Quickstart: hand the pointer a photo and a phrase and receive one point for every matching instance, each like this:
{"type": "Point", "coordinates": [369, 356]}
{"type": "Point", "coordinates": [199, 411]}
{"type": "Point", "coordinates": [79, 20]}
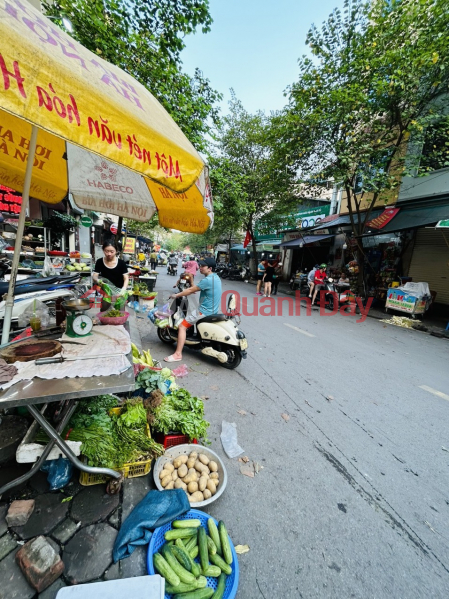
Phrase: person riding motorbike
{"type": "Point", "coordinates": [210, 296]}
{"type": "Point", "coordinates": [187, 277]}
{"type": "Point", "coordinates": [311, 279]}
{"type": "Point", "coordinates": [320, 276]}
{"type": "Point", "coordinates": [172, 263]}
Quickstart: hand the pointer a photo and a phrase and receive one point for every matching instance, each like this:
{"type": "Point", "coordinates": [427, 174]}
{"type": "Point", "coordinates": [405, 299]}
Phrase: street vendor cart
{"type": "Point", "coordinates": [411, 298]}
{"type": "Point", "coordinates": [37, 393]}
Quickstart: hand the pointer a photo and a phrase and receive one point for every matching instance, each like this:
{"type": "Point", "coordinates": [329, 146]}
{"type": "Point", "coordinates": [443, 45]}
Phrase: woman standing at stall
{"type": "Point", "coordinates": [111, 267]}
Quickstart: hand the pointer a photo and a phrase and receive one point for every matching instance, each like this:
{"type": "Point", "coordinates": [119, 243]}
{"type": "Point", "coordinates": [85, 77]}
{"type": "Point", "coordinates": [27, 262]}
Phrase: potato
{"type": "Point", "coordinates": [192, 487]}
{"type": "Point", "coordinates": [182, 471]}
{"type": "Point", "coordinates": [163, 473]}
{"type": "Point", "coordinates": [201, 467]}
{"type": "Point", "coordinates": [196, 497]}
{"type": "Point", "coordinates": [203, 459]}
{"type": "Point", "coordinates": [193, 454]}
{"type": "Point", "coordinates": [171, 485]}
{"type": "Point", "coordinates": [179, 484]}
{"type": "Point", "coordinates": [207, 494]}
{"type": "Point", "coordinates": [214, 476]}
{"type": "Point", "coordinates": [190, 478]}
{"type": "Point", "coordinates": [202, 483]}
{"type": "Point", "coordinates": [174, 475]}
{"type": "Point", "coordinates": [191, 462]}
{"type": "Point", "coordinates": [168, 466]}
{"type": "Point", "coordinates": [213, 466]}
{"type": "Point", "coordinates": [211, 486]}
{"type": "Point", "coordinates": [178, 462]}
{"type": "Point", "coordinates": [166, 480]}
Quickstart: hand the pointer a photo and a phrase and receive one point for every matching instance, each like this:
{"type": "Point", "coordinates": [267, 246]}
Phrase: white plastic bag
{"type": "Point", "coordinates": [229, 439]}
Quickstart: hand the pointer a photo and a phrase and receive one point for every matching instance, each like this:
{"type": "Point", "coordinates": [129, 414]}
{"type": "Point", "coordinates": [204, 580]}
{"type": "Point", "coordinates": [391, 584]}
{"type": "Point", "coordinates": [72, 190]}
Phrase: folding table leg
{"type": "Point", "coordinates": [35, 468]}
{"type": "Point", "coordinates": [66, 449]}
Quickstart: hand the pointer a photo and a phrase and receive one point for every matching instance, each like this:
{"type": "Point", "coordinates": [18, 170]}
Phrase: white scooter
{"type": "Point", "coordinates": [217, 335]}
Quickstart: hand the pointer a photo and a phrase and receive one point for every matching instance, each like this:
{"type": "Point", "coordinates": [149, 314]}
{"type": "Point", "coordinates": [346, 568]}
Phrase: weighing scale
{"type": "Point", "coordinates": [77, 323]}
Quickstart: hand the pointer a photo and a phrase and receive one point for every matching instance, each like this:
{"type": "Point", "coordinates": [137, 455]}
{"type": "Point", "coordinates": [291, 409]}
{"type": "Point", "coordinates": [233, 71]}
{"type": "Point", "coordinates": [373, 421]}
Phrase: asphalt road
{"type": "Point", "coordinates": [353, 497]}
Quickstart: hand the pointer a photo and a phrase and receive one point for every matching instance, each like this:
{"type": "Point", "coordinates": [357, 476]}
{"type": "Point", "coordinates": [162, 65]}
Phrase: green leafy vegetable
{"type": "Point", "coordinates": [182, 412]}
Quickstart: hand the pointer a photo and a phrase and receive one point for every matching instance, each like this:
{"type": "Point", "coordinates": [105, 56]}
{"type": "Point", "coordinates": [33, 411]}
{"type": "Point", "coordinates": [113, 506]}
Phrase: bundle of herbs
{"type": "Point", "coordinates": [181, 412]}
{"type": "Point", "coordinates": [104, 442]}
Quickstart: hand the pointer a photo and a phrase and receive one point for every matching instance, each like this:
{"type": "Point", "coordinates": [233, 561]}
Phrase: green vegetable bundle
{"type": "Point", "coordinates": [181, 412]}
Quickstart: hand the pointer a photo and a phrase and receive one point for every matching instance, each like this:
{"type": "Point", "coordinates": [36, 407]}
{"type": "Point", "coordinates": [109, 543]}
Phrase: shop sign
{"type": "Point", "coordinates": [86, 221]}
{"type": "Point", "coordinates": [113, 229]}
{"type": "Point", "coordinates": [130, 246]}
{"type": "Point", "coordinates": [443, 224]}
{"type": "Point", "coordinates": [387, 215]}
{"type": "Point", "coordinates": [10, 200]}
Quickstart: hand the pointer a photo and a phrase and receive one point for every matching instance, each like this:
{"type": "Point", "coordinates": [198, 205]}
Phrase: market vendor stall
{"type": "Point", "coordinates": [411, 298]}
{"type": "Point", "coordinates": [40, 385]}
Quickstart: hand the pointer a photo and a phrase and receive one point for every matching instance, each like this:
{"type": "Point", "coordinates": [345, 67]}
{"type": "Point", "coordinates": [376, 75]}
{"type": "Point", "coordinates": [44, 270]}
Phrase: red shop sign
{"type": "Point", "coordinates": [10, 200]}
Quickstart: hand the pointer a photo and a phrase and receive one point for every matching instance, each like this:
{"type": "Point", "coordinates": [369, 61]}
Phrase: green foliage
{"type": "Point", "coordinates": [360, 108]}
{"type": "Point", "coordinates": [145, 39]}
{"type": "Point", "coordinates": [247, 179]}
{"type": "Point", "coordinates": [59, 222]}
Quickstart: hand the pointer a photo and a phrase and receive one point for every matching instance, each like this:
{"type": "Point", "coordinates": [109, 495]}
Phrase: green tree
{"type": "Point", "coordinates": [359, 112]}
{"type": "Point", "coordinates": [247, 179]}
{"type": "Point", "coordinates": [145, 39]}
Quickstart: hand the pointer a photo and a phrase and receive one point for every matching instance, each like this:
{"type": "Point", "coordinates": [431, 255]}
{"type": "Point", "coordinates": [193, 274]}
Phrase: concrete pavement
{"type": "Point", "coordinates": [353, 498]}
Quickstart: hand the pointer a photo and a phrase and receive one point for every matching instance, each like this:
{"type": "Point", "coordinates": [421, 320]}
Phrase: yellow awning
{"type": "Point", "coordinates": [50, 80]}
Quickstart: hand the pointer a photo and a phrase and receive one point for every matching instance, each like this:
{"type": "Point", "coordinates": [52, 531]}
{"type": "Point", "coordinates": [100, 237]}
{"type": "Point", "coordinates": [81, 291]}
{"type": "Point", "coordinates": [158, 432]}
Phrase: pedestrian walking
{"type": "Point", "coordinates": [153, 260]}
{"type": "Point", "coordinates": [276, 277]}
{"type": "Point", "coordinates": [260, 275]}
{"type": "Point", "coordinates": [268, 279]}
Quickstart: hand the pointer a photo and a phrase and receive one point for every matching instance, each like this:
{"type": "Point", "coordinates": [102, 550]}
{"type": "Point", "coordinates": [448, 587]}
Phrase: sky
{"type": "Point", "coordinates": [254, 46]}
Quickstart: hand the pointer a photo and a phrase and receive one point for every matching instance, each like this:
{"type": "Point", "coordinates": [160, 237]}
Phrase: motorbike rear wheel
{"type": "Point", "coordinates": [164, 336]}
{"type": "Point", "coordinates": [234, 356]}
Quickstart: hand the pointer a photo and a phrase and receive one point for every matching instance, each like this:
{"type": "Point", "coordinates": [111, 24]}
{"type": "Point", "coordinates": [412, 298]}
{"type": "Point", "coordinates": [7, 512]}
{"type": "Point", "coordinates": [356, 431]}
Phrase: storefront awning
{"type": "Point", "coordinates": [304, 240]}
{"type": "Point", "coordinates": [345, 220]}
{"type": "Point", "coordinates": [414, 218]}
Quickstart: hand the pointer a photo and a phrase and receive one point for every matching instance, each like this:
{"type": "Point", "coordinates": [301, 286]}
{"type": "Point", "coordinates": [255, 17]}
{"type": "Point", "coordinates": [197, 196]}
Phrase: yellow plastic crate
{"type": "Point", "coordinates": [131, 470]}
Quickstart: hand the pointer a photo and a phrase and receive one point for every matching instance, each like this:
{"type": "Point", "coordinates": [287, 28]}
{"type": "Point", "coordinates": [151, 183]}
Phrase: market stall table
{"type": "Point", "coordinates": [35, 392]}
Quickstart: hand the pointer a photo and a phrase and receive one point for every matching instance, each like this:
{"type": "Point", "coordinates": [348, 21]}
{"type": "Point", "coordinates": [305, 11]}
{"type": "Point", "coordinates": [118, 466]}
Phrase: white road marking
{"type": "Point", "coordinates": [434, 392]}
{"type": "Point", "coordinates": [301, 331]}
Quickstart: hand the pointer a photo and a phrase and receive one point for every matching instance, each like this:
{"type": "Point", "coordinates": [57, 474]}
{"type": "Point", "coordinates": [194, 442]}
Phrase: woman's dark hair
{"type": "Point", "coordinates": [109, 243]}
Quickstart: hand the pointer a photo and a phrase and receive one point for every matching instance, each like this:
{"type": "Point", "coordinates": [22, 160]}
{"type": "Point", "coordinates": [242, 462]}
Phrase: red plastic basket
{"type": "Point", "coordinates": [173, 439]}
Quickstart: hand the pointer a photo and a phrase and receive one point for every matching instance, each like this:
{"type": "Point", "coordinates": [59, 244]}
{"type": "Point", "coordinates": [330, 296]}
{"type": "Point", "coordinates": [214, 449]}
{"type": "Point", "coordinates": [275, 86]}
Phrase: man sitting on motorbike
{"type": "Point", "coordinates": [210, 296]}
{"type": "Point", "coordinates": [311, 279]}
{"type": "Point", "coordinates": [172, 262]}
{"type": "Point", "coordinates": [320, 276]}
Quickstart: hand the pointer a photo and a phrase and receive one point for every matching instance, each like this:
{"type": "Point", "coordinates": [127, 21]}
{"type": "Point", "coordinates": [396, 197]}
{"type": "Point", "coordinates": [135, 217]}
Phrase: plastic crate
{"type": "Point", "coordinates": [131, 470]}
{"type": "Point", "coordinates": [173, 439]}
{"type": "Point", "coordinates": [157, 540]}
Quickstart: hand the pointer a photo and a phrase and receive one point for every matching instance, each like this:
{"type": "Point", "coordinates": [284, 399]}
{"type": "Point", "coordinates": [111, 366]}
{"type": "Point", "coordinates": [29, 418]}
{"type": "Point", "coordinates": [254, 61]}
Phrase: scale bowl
{"type": "Point", "coordinates": [77, 305]}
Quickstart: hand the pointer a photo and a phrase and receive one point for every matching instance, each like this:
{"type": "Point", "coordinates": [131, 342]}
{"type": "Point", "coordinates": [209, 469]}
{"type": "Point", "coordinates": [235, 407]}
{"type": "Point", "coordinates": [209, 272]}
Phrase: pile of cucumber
{"type": "Point", "coordinates": [185, 578]}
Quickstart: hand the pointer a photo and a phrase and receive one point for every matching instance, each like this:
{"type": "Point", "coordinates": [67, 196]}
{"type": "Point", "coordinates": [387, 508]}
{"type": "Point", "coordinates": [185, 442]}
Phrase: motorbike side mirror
{"type": "Point", "coordinates": [232, 303]}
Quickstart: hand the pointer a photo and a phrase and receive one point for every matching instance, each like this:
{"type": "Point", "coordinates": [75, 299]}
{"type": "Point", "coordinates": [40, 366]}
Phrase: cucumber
{"type": "Point", "coordinates": [213, 531]}
{"type": "Point", "coordinates": [211, 547]}
{"type": "Point", "coordinates": [194, 552]}
{"type": "Point", "coordinates": [213, 571]}
{"type": "Point", "coordinates": [182, 587]}
{"type": "Point", "coordinates": [191, 543]}
{"type": "Point", "coordinates": [202, 544]}
{"type": "Point", "coordinates": [183, 574]}
{"type": "Point", "coordinates": [218, 561]}
{"type": "Point", "coordinates": [165, 570]}
{"type": "Point", "coordinates": [192, 566]}
{"type": "Point", "coordinates": [219, 591]}
{"type": "Point", "coordinates": [193, 523]}
{"type": "Point", "coordinates": [198, 594]}
{"type": "Point", "coordinates": [225, 544]}
{"type": "Point", "coordinates": [179, 533]}
{"type": "Point", "coordinates": [182, 558]}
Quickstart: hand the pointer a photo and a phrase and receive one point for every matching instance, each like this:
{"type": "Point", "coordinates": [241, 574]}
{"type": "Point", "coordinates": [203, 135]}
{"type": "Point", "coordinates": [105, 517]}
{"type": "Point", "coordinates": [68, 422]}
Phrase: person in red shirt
{"type": "Point", "coordinates": [320, 276]}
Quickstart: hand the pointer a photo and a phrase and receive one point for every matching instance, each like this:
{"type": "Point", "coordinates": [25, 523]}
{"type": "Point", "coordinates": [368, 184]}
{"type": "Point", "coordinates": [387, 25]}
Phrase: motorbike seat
{"type": "Point", "coordinates": [212, 318]}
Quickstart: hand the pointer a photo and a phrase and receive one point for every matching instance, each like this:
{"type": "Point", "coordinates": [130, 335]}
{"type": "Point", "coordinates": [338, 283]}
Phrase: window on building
{"type": "Point", "coordinates": [435, 152]}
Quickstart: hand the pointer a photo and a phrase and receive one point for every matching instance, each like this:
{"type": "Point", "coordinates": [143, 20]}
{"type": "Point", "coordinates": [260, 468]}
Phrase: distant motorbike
{"type": "Point", "coordinates": [334, 294]}
{"type": "Point", "coordinates": [299, 280]}
{"type": "Point", "coordinates": [235, 273]}
{"type": "Point", "coordinates": [172, 269]}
